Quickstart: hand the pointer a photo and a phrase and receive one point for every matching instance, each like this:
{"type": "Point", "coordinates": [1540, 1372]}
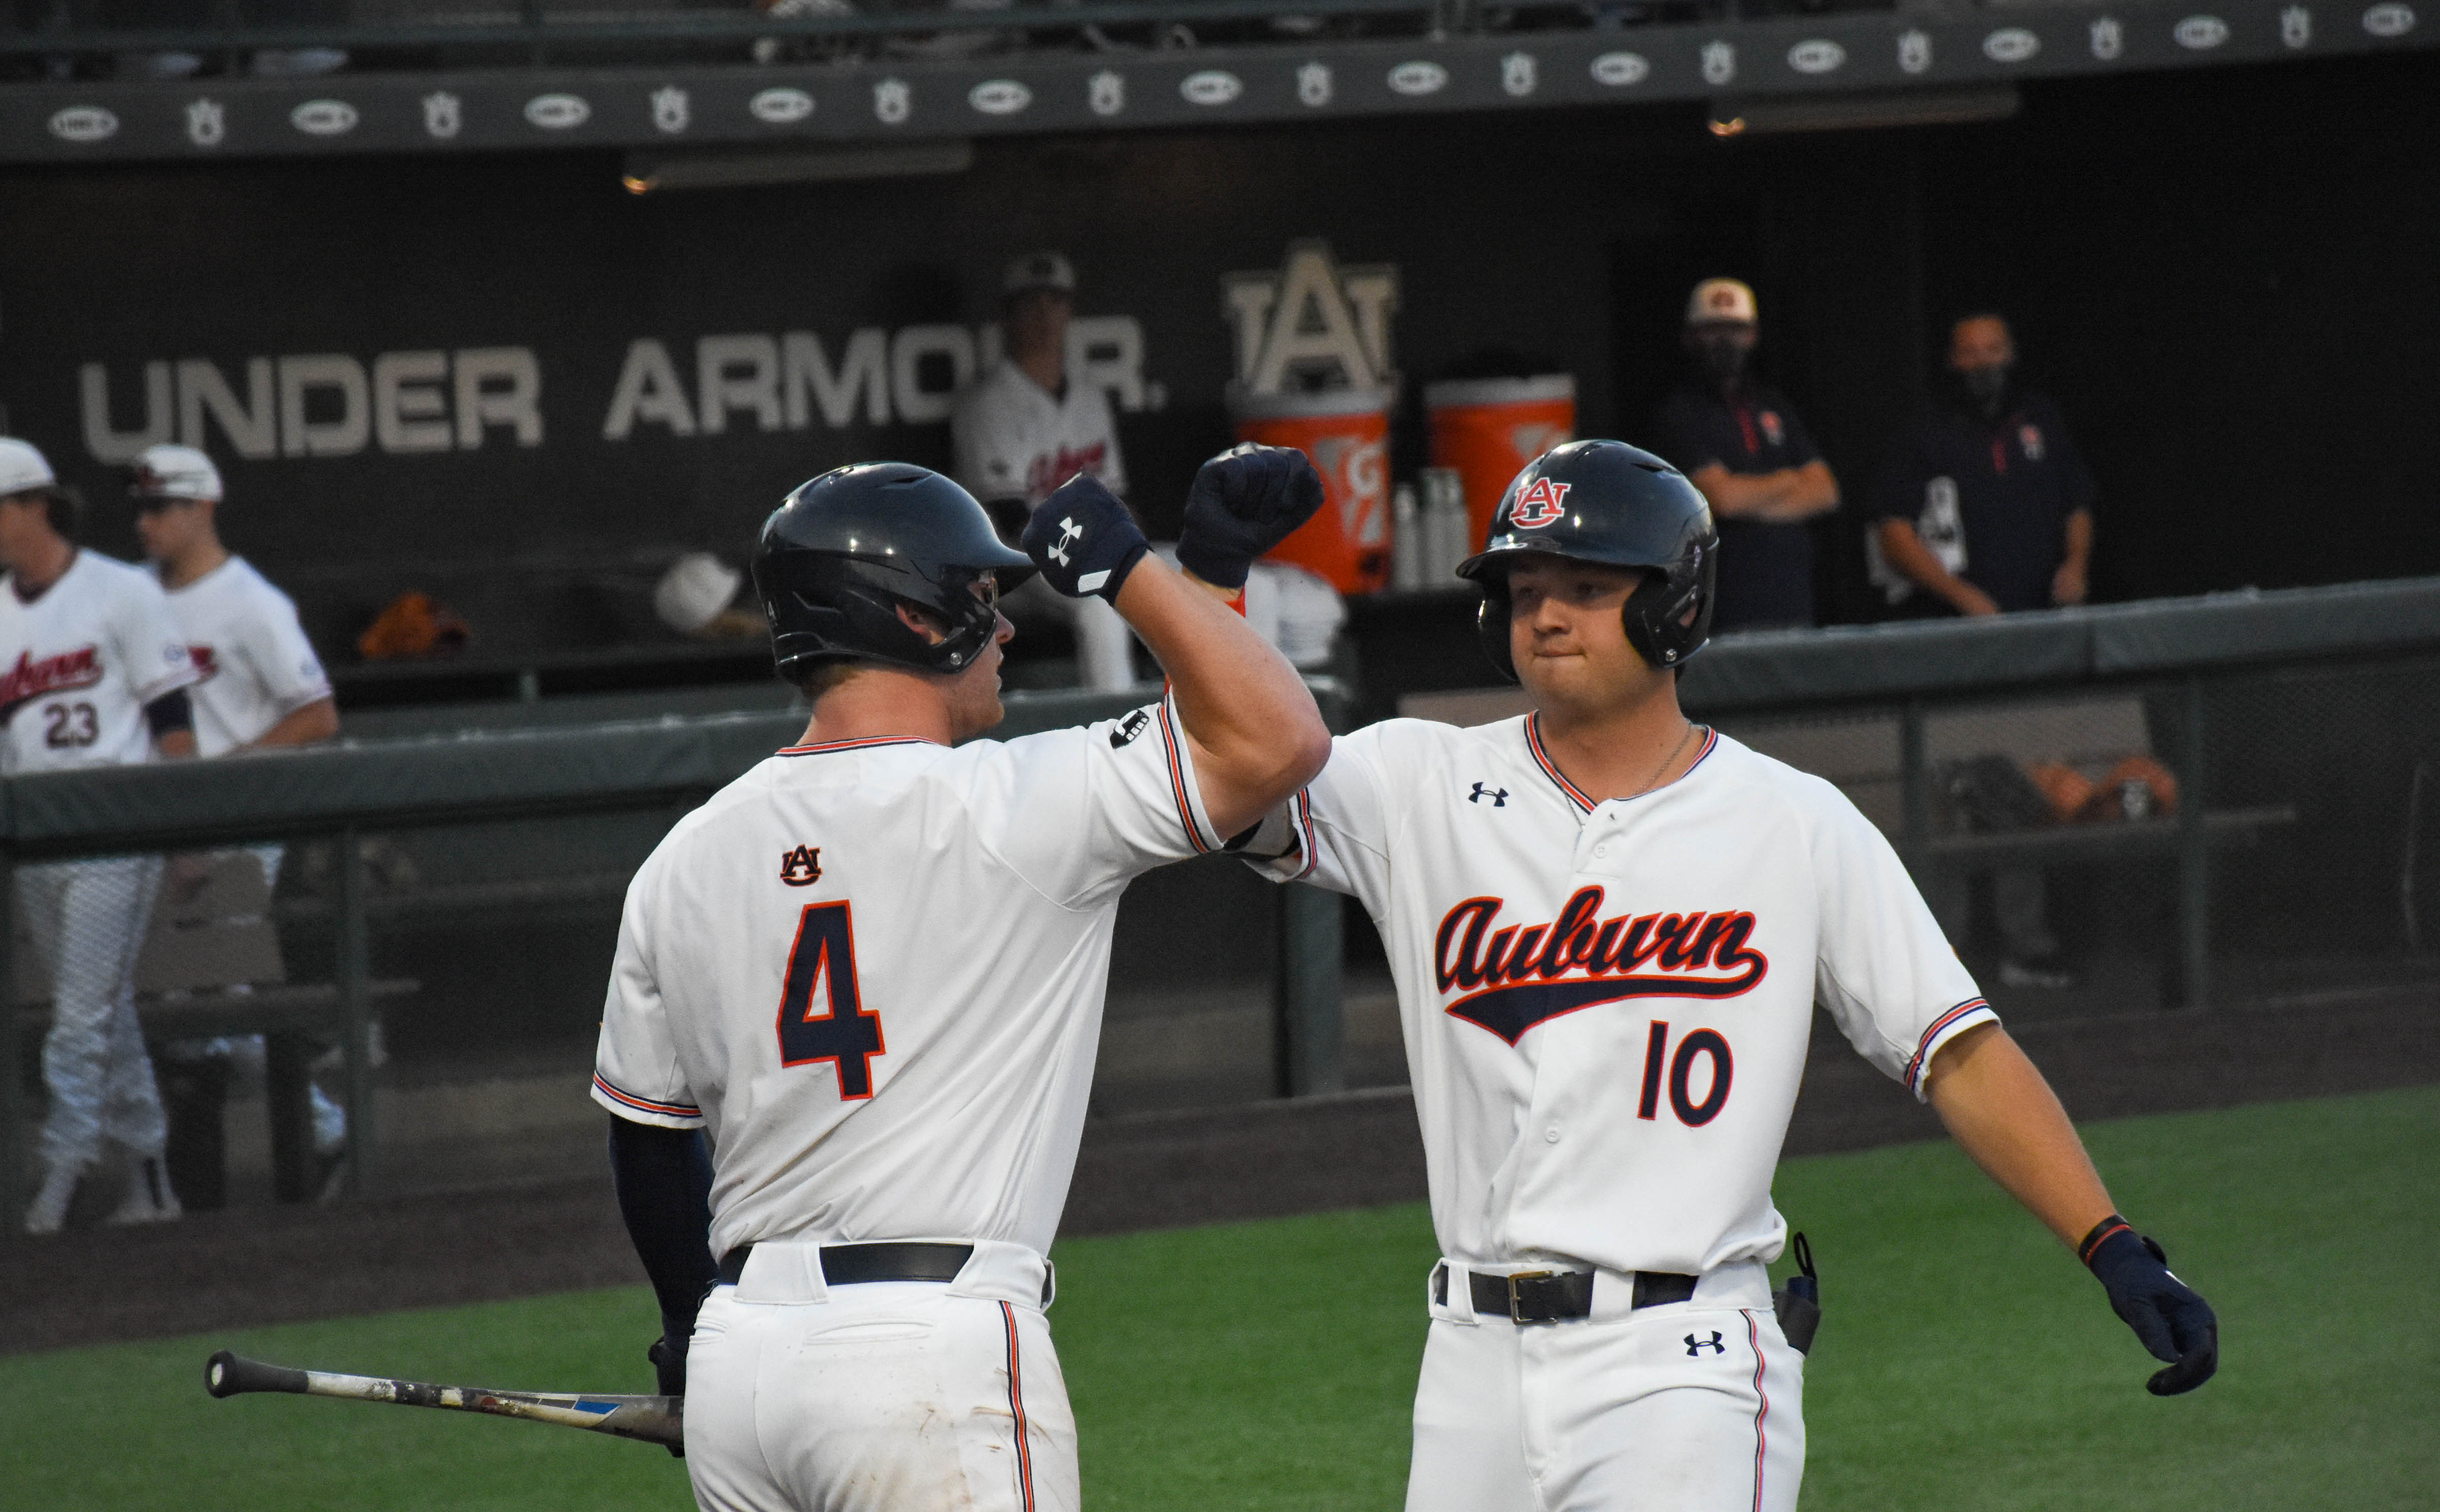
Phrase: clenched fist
{"type": "Point", "coordinates": [1245, 501]}
{"type": "Point", "coordinates": [1084, 538]}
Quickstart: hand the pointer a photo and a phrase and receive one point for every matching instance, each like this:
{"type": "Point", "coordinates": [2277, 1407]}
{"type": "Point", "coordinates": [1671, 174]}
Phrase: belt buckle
{"type": "Point", "coordinates": [1516, 1301]}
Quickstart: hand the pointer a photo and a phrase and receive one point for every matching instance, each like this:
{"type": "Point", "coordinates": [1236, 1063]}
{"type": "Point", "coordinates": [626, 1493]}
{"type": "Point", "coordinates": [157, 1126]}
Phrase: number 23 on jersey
{"type": "Point", "coordinates": [822, 1015]}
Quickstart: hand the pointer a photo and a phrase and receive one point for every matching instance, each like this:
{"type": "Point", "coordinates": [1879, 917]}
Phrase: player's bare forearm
{"type": "Point", "coordinates": [314, 722]}
{"type": "Point", "coordinates": [1998, 1106]}
{"type": "Point", "coordinates": [1740, 496]}
{"type": "Point", "coordinates": [1255, 734]}
{"type": "Point", "coordinates": [177, 745]}
{"type": "Point", "coordinates": [1810, 490]}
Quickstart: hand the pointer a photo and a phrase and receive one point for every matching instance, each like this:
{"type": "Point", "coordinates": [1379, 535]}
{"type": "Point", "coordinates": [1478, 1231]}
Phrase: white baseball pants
{"type": "Point", "coordinates": [1695, 1406]}
{"type": "Point", "coordinates": [882, 1397]}
{"type": "Point", "coordinates": [87, 919]}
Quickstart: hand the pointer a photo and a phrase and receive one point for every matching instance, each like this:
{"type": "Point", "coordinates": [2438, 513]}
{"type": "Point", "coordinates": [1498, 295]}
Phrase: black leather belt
{"type": "Point", "coordinates": [845, 1265]}
{"type": "Point", "coordinates": [1558, 1296]}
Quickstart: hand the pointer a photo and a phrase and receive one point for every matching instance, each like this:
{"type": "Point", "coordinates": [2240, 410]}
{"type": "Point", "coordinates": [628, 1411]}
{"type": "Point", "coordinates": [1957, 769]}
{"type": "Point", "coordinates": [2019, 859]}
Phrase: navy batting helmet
{"type": "Point", "coordinates": [842, 552]}
{"type": "Point", "coordinates": [1611, 503]}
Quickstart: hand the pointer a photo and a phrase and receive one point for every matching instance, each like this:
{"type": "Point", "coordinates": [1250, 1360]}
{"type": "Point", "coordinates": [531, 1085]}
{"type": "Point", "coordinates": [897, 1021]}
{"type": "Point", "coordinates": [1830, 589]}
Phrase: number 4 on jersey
{"type": "Point", "coordinates": [822, 1015]}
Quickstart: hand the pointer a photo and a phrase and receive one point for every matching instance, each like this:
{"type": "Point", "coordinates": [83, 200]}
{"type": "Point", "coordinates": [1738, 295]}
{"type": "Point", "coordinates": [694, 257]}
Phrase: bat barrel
{"type": "Point", "coordinates": [228, 1375]}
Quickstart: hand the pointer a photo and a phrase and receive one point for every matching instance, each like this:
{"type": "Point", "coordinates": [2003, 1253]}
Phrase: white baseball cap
{"type": "Point", "coordinates": [173, 473]}
{"type": "Point", "coordinates": [693, 592]}
{"type": "Point", "coordinates": [1721, 299]}
{"type": "Point", "coordinates": [1037, 270]}
{"type": "Point", "coordinates": [24, 470]}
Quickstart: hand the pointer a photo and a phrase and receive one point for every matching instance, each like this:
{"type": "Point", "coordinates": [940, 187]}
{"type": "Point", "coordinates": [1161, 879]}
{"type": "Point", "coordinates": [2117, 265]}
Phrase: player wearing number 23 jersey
{"type": "Point", "coordinates": [82, 661]}
{"type": "Point", "coordinates": [1609, 928]}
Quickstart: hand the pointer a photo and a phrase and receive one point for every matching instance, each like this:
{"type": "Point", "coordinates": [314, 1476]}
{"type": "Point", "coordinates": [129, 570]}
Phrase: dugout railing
{"type": "Point", "coordinates": [2299, 729]}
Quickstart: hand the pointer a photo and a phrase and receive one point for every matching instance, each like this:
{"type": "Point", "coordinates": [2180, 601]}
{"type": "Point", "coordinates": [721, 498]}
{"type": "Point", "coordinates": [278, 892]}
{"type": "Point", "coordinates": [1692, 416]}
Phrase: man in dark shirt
{"type": "Point", "coordinates": [1738, 442]}
{"type": "Point", "coordinates": [1986, 508]}
{"type": "Point", "coordinates": [1985, 505]}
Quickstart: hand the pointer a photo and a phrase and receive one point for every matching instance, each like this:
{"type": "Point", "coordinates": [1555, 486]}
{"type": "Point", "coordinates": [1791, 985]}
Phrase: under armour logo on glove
{"type": "Point", "coordinates": [1084, 538]}
{"type": "Point", "coordinates": [1694, 1346]}
{"type": "Point", "coordinates": [1069, 531]}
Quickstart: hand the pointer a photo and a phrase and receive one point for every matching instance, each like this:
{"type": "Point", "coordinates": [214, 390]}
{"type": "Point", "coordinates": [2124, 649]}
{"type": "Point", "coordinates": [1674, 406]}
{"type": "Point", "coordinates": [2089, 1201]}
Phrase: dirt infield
{"type": "Point", "coordinates": [257, 1266]}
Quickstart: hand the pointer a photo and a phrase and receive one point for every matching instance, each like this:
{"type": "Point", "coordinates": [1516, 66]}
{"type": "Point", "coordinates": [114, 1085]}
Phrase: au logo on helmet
{"type": "Point", "coordinates": [1542, 503]}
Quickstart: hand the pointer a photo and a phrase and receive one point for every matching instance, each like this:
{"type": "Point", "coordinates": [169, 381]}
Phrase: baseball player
{"type": "Point", "coordinates": [1608, 927]}
{"type": "Point", "coordinates": [260, 686]}
{"type": "Point", "coordinates": [1027, 426]}
{"type": "Point", "coordinates": [96, 674]}
{"type": "Point", "coordinates": [871, 971]}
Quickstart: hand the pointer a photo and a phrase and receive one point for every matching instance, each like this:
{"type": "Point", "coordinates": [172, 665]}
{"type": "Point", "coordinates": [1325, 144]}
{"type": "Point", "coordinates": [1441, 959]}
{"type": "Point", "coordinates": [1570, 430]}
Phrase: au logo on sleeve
{"type": "Point", "coordinates": [803, 867]}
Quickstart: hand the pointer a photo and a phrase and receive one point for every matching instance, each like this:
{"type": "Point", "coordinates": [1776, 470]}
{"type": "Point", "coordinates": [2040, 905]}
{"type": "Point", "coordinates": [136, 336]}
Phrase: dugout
{"type": "Point", "coordinates": [2298, 873]}
{"type": "Point", "coordinates": [2216, 268]}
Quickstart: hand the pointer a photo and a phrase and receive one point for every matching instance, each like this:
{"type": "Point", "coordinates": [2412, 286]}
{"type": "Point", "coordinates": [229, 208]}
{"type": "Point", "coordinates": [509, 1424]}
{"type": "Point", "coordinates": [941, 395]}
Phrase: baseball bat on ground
{"type": "Point", "coordinates": [653, 1420]}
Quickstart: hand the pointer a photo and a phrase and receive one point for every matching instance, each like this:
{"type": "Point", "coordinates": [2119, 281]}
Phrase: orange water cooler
{"type": "Point", "coordinates": [1346, 433]}
{"type": "Point", "coordinates": [1489, 428]}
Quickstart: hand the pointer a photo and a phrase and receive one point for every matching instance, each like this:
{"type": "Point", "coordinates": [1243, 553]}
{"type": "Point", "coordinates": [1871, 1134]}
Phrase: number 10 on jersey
{"type": "Point", "coordinates": [821, 1013]}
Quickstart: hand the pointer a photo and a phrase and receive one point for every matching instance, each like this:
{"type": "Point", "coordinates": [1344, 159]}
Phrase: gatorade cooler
{"type": "Point", "coordinates": [1489, 428]}
{"type": "Point", "coordinates": [1346, 433]}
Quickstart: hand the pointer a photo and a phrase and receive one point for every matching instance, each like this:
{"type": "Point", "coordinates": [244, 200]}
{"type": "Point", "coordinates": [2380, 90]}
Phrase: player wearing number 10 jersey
{"type": "Point", "coordinates": [871, 971]}
{"type": "Point", "coordinates": [1609, 928]}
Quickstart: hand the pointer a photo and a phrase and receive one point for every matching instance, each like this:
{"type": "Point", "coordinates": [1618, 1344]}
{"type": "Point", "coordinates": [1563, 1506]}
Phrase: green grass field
{"type": "Point", "coordinates": [1965, 1361]}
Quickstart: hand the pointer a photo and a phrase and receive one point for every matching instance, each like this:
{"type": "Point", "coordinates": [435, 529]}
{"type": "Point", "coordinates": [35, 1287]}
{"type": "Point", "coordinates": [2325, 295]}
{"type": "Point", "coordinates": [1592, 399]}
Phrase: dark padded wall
{"type": "Point", "coordinates": [2223, 275]}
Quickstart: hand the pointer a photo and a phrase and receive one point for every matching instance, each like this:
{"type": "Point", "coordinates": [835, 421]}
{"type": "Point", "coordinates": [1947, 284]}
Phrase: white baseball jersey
{"type": "Point", "coordinates": [873, 972]}
{"type": "Point", "coordinates": [255, 663]}
{"type": "Point", "coordinates": [1014, 441]}
{"type": "Point", "coordinates": [79, 664]}
{"type": "Point", "coordinates": [1607, 1005]}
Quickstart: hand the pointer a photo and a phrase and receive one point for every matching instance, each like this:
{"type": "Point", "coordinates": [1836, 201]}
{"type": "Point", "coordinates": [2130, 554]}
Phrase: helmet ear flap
{"type": "Point", "coordinates": [1491, 627]}
{"type": "Point", "coordinates": [1655, 618]}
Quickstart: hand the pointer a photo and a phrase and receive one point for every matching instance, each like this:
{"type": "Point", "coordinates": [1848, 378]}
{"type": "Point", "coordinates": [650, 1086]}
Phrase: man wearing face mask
{"type": "Point", "coordinates": [1986, 507]}
{"type": "Point", "coordinates": [1740, 444]}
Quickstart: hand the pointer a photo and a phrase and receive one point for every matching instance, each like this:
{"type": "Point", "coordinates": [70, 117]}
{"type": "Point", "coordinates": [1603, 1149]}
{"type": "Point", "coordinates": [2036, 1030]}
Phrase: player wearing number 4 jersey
{"type": "Point", "coordinates": [871, 971]}
{"type": "Point", "coordinates": [1609, 928]}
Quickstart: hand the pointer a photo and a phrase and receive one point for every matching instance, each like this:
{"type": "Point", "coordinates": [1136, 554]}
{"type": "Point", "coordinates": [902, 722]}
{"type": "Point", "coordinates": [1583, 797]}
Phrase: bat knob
{"type": "Point", "coordinates": [228, 1374]}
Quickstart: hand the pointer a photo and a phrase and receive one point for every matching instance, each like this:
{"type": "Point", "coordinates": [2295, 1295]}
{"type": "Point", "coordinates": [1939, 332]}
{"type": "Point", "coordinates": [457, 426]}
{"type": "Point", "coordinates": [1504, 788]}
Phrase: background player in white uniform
{"type": "Point", "coordinates": [93, 672]}
{"type": "Point", "coordinates": [1028, 425]}
{"type": "Point", "coordinates": [1609, 928]}
{"type": "Point", "coordinates": [871, 970]}
{"type": "Point", "coordinates": [260, 686]}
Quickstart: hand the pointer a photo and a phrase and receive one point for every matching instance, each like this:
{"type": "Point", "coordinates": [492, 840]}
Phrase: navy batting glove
{"type": "Point", "coordinates": [668, 1356]}
{"type": "Point", "coordinates": [1245, 502]}
{"type": "Point", "coordinates": [2174, 1323]}
{"type": "Point", "coordinates": [1084, 538]}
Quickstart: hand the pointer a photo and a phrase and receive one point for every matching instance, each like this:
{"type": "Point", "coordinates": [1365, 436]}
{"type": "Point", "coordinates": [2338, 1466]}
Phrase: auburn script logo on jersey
{"type": "Point", "coordinates": [1511, 978]}
{"type": "Point", "coordinates": [30, 679]}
